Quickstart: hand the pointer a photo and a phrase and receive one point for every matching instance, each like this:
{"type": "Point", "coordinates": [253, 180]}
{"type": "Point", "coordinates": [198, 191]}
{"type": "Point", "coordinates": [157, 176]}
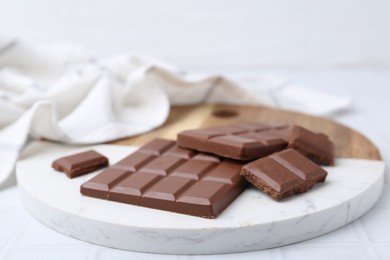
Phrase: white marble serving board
{"type": "Point", "coordinates": [252, 222]}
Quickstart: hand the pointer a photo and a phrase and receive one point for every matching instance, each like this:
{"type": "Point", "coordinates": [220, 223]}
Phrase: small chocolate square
{"type": "Point", "coordinates": [283, 174]}
{"type": "Point", "coordinates": [80, 163]}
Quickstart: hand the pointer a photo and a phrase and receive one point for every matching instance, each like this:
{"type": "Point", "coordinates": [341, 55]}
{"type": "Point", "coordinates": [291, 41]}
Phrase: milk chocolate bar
{"type": "Point", "coordinates": [80, 163]}
{"type": "Point", "coordinates": [315, 146]}
{"type": "Point", "coordinates": [283, 174]}
{"type": "Point", "coordinates": [162, 175]}
{"type": "Point", "coordinates": [241, 141]}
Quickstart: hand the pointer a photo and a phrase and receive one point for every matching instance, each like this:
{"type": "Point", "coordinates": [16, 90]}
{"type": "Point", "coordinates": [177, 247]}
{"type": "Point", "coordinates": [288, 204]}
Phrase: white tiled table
{"type": "Point", "coordinates": [22, 237]}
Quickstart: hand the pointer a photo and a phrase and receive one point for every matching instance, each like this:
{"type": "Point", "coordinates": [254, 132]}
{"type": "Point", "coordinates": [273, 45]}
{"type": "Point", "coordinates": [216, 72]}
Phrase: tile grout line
{"type": "Point", "coordinates": [14, 237]}
{"type": "Point", "coordinates": [364, 239]}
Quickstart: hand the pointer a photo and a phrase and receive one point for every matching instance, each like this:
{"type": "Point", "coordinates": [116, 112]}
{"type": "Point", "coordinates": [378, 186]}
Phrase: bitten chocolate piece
{"type": "Point", "coordinates": [283, 174]}
{"type": "Point", "coordinates": [315, 146]}
{"type": "Point", "coordinates": [80, 163]}
{"type": "Point", "coordinates": [240, 142]}
{"type": "Point", "coordinates": [161, 175]}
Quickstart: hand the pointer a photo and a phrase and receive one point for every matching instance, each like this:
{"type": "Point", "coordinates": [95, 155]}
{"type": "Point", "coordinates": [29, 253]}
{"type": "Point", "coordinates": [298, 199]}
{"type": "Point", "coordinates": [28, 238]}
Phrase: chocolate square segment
{"type": "Point", "coordinates": [80, 163]}
{"type": "Point", "coordinates": [177, 151]}
{"type": "Point", "coordinates": [135, 184]}
{"type": "Point", "coordinates": [241, 142]}
{"type": "Point", "coordinates": [157, 146]}
{"type": "Point", "coordinates": [225, 172]}
{"type": "Point", "coordinates": [168, 188]}
{"type": "Point", "coordinates": [206, 157]}
{"type": "Point", "coordinates": [134, 161]}
{"type": "Point", "coordinates": [207, 198]}
{"type": "Point", "coordinates": [162, 165]}
{"type": "Point", "coordinates": [315, 146]}
{"type": "Point", "coordinates": [102, 183]}
{"type": "Point", "coordinates": [161, 175]}
{"type": "Point", "coordinates": [194, 169]}
{"type": "Point", "coordinates": [236, 146]}
{"type": "Point", "coordinates": [283, 174]}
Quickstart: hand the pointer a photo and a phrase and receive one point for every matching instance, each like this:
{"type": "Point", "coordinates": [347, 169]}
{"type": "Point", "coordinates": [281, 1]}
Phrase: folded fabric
{"type": "Point", "coordinates": [60, 93]}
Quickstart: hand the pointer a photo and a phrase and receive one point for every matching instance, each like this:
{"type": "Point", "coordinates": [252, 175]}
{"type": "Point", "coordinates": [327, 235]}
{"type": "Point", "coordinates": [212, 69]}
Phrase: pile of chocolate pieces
{"type": "Point", "coordinates": [206, 169]}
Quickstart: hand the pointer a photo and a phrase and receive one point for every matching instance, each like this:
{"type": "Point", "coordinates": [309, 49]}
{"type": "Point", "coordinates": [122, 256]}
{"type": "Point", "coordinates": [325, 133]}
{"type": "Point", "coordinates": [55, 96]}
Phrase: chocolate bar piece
{"type": "Point", "coordinates": [315, 146]}
{"type": "Point", "coordinates": [162, 175]}
{"type": "Point", "coordinates": [80, 163]}
{"type": "Point", "coordinates": [240, 142]}
{"type": "Point", "coordinates": [283, 174]}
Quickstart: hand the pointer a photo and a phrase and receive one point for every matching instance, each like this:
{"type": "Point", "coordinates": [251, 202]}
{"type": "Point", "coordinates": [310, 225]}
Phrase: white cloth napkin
{"type": "Point", "coordinates": [60, 93]}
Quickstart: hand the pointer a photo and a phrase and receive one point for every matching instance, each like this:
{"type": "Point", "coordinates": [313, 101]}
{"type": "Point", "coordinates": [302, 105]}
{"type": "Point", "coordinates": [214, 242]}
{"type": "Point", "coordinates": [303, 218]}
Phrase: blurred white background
{"type": "Point", "coordinates": [213, 34]}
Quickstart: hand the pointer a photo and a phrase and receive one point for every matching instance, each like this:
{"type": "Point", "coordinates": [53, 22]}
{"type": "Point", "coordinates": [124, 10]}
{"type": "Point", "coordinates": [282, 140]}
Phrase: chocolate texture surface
{"type": "Point", "coordinates": [80, 163]}
{"type": "Point", "coordinates": [283, 174]}
{"type": "Point", "coordinates": [241, 141]}
{"type": "Point", "coordinates": [316, 146]}
{"type": "Point", "coordinates": [161, 175]}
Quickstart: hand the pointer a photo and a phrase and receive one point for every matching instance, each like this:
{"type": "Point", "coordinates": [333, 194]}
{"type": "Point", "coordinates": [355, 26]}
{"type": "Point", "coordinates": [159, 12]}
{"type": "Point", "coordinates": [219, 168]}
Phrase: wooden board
{"type": "Point", "coordinates": [348, 142]}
